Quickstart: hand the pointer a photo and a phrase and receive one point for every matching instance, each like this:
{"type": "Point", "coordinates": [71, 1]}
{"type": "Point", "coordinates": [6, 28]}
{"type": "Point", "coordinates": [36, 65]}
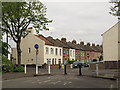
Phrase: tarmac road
{"type": "Point", "coordinates": [71, 80]}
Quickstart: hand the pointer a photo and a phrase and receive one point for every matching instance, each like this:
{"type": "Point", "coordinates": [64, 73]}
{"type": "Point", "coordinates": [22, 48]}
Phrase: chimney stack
{"type": "Point", "coordinates": [74, 42]}
{"type": "Point", "coordinates": [81, 43]}
{"type": "Point", "coordinates": [88, 44]}
{"type": "Point", "coordinates": [98, 45]}
{"type": "Point", "coordinates": [63, 39]}
{"type": "Point", "coordinates": [31, 30]}
{"type": "Point", "coordinates": [93, 44]}
{"type": "Point", "coordinates": [50, 37]}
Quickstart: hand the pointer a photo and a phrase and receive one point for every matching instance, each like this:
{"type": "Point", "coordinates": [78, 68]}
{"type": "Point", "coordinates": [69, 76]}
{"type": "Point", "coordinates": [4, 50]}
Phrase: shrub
{"type": "Point", "coordinates": [71, 62]}
{"type": "Point", "coordinates": [7, 65]}
{"type": "Point", "coordinates": [19, 69]}
{"type": "Point", "coordinates": [94, 60]}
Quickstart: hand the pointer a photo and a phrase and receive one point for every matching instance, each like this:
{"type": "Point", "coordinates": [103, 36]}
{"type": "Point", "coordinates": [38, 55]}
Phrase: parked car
{"type": "Point", "coordinates": [86, 65]}
{"type": "Point", "coordinates": [75, 64]}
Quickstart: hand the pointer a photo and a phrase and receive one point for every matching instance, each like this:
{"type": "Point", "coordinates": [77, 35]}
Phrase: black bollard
{"type": "Point", "coordinates": [65, 73]}
{"type": "Point", "coordinates": [80, 66]}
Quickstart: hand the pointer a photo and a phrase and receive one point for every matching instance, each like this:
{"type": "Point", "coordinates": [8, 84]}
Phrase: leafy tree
{"type": "Point", "coordinates": [17, 16]}
{"type": "Point", "coordinates": [115, 9]}
{"type": "Point", "coordinates": [5, 47]}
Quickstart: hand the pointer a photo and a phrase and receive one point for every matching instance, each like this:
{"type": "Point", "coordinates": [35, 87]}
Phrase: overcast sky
{"type": "Point", "coordinates": [82, 21]}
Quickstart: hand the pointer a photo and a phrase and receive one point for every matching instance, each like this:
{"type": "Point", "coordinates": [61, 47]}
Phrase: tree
{"type": "Point", "coordinates": [5, 47]}
{"type": "Point", "coordinates": [115, 9]}
{"type": "Point", "coordinates": [17, 16]}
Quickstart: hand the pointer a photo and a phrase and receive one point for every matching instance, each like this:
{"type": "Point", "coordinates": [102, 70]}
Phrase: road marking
{"type": "Point", "coordinates": [47, 81]}
{"type": "Point", "coordinates": [33, 82]}
{"type": "Point", "coordinates": [48, 77]}
{"type": "Point", "coordinates": [39, 82]}
{"type": "Point", "coordinates": [69, 82]}
{"type": "Point", "coordinates": [64, 83]}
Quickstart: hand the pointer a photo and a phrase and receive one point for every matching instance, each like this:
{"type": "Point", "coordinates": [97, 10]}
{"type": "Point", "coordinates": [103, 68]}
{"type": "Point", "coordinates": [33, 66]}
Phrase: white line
{"type": "Point", "coordinates": [64, 83]}
{"type": "Point", "coordinates": [47, 81]}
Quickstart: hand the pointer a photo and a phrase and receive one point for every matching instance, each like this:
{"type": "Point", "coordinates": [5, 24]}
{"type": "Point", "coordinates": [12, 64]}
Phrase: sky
{"type": "Point", "coordinates": [80, 21]}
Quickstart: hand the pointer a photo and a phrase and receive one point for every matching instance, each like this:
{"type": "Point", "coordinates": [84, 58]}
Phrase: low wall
{"type": "Point", "coordinates": [106, 65]}
{"type": "Point", "coordinates": [100, 66]}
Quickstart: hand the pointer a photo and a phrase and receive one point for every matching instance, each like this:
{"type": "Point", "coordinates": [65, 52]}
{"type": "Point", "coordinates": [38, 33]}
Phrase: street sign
{"type": "Point", "coordinates": [36, 46]}
{"type": "Point", "coordinates": [64, 54]}
{"type": "Point", "coordinates": [88, 55]}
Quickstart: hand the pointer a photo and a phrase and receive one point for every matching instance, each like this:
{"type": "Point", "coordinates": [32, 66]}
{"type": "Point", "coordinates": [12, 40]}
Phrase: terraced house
{"type": "Point", "coordinates": [54, 49]}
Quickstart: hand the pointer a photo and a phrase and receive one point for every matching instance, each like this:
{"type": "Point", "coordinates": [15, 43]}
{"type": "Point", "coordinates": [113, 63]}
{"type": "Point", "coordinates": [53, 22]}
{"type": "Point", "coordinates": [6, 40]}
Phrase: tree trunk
{"type": "Point", "coordinates": [18, 53]}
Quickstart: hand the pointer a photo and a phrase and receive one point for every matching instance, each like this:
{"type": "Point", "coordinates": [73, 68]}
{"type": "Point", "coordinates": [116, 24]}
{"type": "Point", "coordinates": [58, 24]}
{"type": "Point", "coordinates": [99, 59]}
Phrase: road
{"type": "Point", "coordinates": [71, 80]}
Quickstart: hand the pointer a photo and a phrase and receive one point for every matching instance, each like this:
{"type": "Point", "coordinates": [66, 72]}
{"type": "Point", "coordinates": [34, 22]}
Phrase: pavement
{"type": "Point", "coordinates": [56, 79]}
{"type": "Point", "coordinates": [105, 74]}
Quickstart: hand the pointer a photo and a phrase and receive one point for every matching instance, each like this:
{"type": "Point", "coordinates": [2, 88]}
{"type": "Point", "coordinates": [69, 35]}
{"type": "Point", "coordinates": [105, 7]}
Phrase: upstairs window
{"type": "Point", "coordinates": [47, 50]}
{"type": "Point", "coordinates": [60, 52]}
{"type": "Point", "coordinates": [56, 51]}
{"type": "Point", "coordinates": [52, 51]}
{"type": "Point", "coordinates": [67, 52]}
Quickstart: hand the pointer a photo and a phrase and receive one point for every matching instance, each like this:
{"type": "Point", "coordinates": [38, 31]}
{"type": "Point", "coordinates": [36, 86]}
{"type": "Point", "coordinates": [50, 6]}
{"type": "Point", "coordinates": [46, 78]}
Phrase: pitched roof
{"type": "Point", "coordinates": [74, 46]}
{"type": "Point", "coordinates": [44, 39]}
{"type": "Point", "coordinates": [54, 42]}
{"type": "Point", "coordinates": [62, 44]}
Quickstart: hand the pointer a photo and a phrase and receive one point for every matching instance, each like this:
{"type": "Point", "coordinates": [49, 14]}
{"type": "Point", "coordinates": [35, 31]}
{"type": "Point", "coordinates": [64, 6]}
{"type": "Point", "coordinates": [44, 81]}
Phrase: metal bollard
{"type": "Point", "coordinates": [25, 68]}
{"type": "Point", "coordinates": [65, 70]}
{"type": "Point", "coordinates": [80, 66]}
{"type": "Point", "coordinates": [97, 70]}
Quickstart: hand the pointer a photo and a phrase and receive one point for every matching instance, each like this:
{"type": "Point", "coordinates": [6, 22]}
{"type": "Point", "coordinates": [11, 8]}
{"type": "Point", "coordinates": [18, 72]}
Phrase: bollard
{"type": "Point", "coordinates": [36, 69]}
{"type": "Point", "coordinates": [97, 70]}
{"type": "Point", "coordinates": [65, 73]}
{"type": "Point", "coordinates": [80, 66]}
{"type": "Point", "coordinates": [49, 69]}
{"type": "Point", "coordinates": [25, 68]}
{"type": "Point", "coordinates": [71, 66]}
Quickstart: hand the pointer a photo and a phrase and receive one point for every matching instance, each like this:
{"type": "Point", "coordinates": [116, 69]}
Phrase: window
{"type": "Point", "coordinates": [29, 50]}
{"type": "Point", "coordinates": [52, 51]}
{"type": "Point", "coordinates": [60, 52]}
{"type": "Point", "coordinates": [73, 53]}
{"type": "Point", "coordinates": [67, 52]}
{"type": "Point", "coordinates": [56, 51]}
{"type": "Point", "coordinates": [59, 61]}
{"type": "Point", "coordinates": [47, 50]}
{"type": "Point", "coordinates": [83, 54]}
{"type": "Point", "coordinates": [70, 52]}
{"type": "Point", "coordinates": [53, 61]}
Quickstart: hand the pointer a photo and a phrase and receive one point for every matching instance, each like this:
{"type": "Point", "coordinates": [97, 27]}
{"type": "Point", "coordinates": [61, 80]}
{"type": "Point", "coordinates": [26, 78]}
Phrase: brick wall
{"type": "Point", "coordinates": [93, 66]}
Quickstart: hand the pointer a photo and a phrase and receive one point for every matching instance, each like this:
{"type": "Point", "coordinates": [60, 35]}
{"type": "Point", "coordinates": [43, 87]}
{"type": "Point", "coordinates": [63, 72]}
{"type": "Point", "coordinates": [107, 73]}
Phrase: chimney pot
{"type": "Point", "coordinates": [63, 39]}
{"type": "Point", "coordinates": [88, 44]}
{"type": "Point", "coordinates": [74, 42]}
{"type": "Point", "coordinates": [31, 29]}
{"type": "Point", "coordinates": [93, 44]}
{"type": "Point", "coordinates": [81, 43]}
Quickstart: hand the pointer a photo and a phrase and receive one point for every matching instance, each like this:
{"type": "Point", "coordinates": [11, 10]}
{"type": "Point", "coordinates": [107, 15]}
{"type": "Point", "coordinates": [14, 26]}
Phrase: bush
{"type": "Point", "coordinates": [71, 62]}
{"type": "Point", "coordinates": [94, 60]}
{"type": "Point", "coordinates": [19, 69]}
{"type": "Point", "coordinates": [7, 65]}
